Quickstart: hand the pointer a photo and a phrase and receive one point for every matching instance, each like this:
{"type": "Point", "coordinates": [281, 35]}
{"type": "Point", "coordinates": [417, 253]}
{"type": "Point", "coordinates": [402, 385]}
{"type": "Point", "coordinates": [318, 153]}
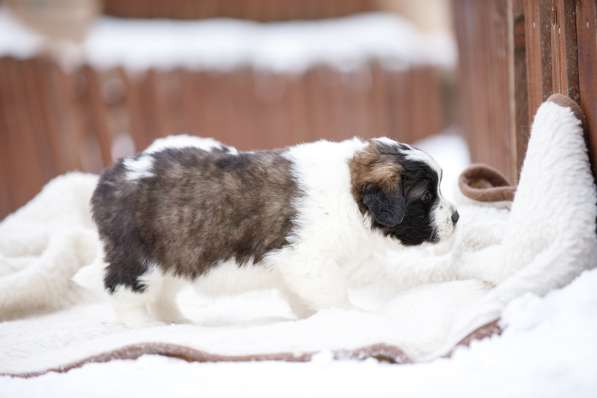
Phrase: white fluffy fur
{"type": "Point", "coordinates": [139, 167]}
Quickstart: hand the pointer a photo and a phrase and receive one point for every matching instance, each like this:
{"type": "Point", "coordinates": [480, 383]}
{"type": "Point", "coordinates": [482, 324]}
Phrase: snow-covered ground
{"type": "Point", "coordinates": [223, 44]}
{"type": "Point", "coordinates": [548, 349]}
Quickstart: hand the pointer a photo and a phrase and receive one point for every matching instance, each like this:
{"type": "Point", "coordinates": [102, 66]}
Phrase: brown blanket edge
{"type": "Point", "coordinates": [496, 187]}
{"type": "Point", "coordinates": [381, 352]}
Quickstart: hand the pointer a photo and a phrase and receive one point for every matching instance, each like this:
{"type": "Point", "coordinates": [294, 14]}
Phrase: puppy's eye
{"type": "Point", "coordinates": [426, 197]}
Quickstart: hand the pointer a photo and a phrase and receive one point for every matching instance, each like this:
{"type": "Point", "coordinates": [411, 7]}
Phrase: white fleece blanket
{"type": "Point", "coordinates": [54, 311]}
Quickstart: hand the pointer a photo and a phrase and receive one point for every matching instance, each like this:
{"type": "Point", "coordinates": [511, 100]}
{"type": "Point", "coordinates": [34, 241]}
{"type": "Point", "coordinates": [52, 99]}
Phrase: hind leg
{"type": "Point", "coordinates": [131, 290]}
{"type": "Point", "coordinates": [164, 306]}
{"type": "Point", "coordinates": [130, 307]}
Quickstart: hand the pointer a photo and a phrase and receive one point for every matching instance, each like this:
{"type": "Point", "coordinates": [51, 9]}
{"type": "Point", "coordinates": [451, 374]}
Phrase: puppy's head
{"type": "Point", "coordinates": [398, 187]}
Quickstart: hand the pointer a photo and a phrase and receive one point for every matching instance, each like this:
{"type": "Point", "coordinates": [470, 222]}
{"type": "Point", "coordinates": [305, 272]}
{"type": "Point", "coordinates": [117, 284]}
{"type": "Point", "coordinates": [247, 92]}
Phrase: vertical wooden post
{"type": "Point", "coordinates": [551, 50]}
{"type": "Point", "coordinates": [586, 29]}
{"type": "Point", "coordinates": [520, 122]}
{"type": "Point", "coordinates": [486, 81]}
{"type": "Point", "coordinates": [7, 201]}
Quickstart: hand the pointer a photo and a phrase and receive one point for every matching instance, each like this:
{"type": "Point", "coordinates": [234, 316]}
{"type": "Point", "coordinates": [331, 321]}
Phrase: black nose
{"type": "Point", "coordinates": [455, 217]}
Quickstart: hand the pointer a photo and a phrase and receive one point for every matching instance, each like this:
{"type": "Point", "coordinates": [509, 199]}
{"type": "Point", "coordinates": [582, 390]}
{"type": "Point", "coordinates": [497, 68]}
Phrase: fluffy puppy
{"type": "Point", "coordinates": [308, 220]}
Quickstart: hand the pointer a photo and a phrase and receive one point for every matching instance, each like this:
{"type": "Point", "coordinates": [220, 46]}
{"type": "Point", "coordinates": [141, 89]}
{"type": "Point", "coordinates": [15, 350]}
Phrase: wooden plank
{"type": "Point", "coordinates": [269, 94]}
{"type": "Point", "coordinates": [78, 136]}
{"type": "Point", "coordinates": [538, 16]}
{"type": "Point", "coordinates": [143, 111]}
{"type": "Point", "coordinates": [28, 174]}
{"type": "Point", "coordinates": [136, 110]}
{"type": "Point", "coordinates": [520, 128]}
{"type": "Point", "coordinates": [485, 80]}
{"type": "Point", "coordinates": [221, 112]}
{"type": "Point", "coordinates": [114, 93]}
{"type": "Point", "coordinates": [317, 102]}
{"type": "Point", "coordinates": [168, 102]}
{"type": "Point", "coordinates": [424, 103]}
{"type": "Point", "coordinates": [7, 203]}
{"type": "Point", "coordinates": [357, 84]}
{"type": "Point", "coordinates": [551, 50]}
{"type": "Point", "coordinates": [586, 27]}
{"type": "Point", "coordinates": [564, 48]}
{"type": "Point", "coordinates": [57, 118]}
{"type": "Point", "coordinates": [33, 72]}
{"type": "Point", "coordinates": [260, 10]}
{"type": "Point", "coordinates": [297, 110]}
{"type": "Point", "coordinates": [349, 105]}
{"type": "Point", "coordinates": [198, 105]}
{"type": "Point", "coordinates": [97, 118]}
{"type": "Point", "coordinates": [396, 96]}
{"type": "Point", "coordinates": [378, 121]}
{"type": "Point", "coordinates": [310, 85]}
{"type": "Point", "coordinates": [500, 88]}
{"type": "Point", "coordinates": [192, 108]}
{"type": "Point", "coordinates": [338, 120]}
{"type": "Point", "coordinates": [153, 120]}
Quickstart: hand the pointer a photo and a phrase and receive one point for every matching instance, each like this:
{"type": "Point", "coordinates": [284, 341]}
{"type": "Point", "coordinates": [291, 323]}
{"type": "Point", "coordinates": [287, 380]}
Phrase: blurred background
{"type": "Point", "coordinates": [85, 82]}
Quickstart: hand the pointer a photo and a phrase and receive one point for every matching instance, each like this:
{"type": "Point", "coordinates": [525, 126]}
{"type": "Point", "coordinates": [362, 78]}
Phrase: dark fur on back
{"type": "Point", "coordinates": [197, 209]}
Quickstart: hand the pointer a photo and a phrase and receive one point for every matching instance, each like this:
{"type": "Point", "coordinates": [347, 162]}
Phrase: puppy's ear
{"type": "Point", "coordinates": [387, 208]}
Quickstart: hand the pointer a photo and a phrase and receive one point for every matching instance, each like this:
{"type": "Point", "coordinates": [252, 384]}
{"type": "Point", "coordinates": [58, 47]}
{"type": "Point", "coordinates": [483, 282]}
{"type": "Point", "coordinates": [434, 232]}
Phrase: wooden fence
{"type": "Point", "coordinates": [52, 121]}
{"type": "Point", "coordinates": [513, 55]}
{"type": "Point", "coordinates": [259, 10]}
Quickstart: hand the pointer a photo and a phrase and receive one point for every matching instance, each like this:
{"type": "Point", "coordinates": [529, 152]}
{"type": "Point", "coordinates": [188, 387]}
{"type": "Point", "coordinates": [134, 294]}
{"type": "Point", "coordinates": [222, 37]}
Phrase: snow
{"type": "Point", "coordinates": [224, 44]}
{"type": "Point", "coordinates": [547, 350]}
{"type": "Point", "coordinates": [16, 40]}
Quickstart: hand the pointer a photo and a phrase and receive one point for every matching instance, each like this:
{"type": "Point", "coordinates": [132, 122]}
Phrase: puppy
{"type": "Point", "coordinates": [309, 220]}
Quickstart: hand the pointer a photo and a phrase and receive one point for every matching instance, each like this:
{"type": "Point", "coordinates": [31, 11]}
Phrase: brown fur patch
{"type": "Point", "coordinates": [198, 209]}
{"type": "Point", "coordinates": [372, 167]}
